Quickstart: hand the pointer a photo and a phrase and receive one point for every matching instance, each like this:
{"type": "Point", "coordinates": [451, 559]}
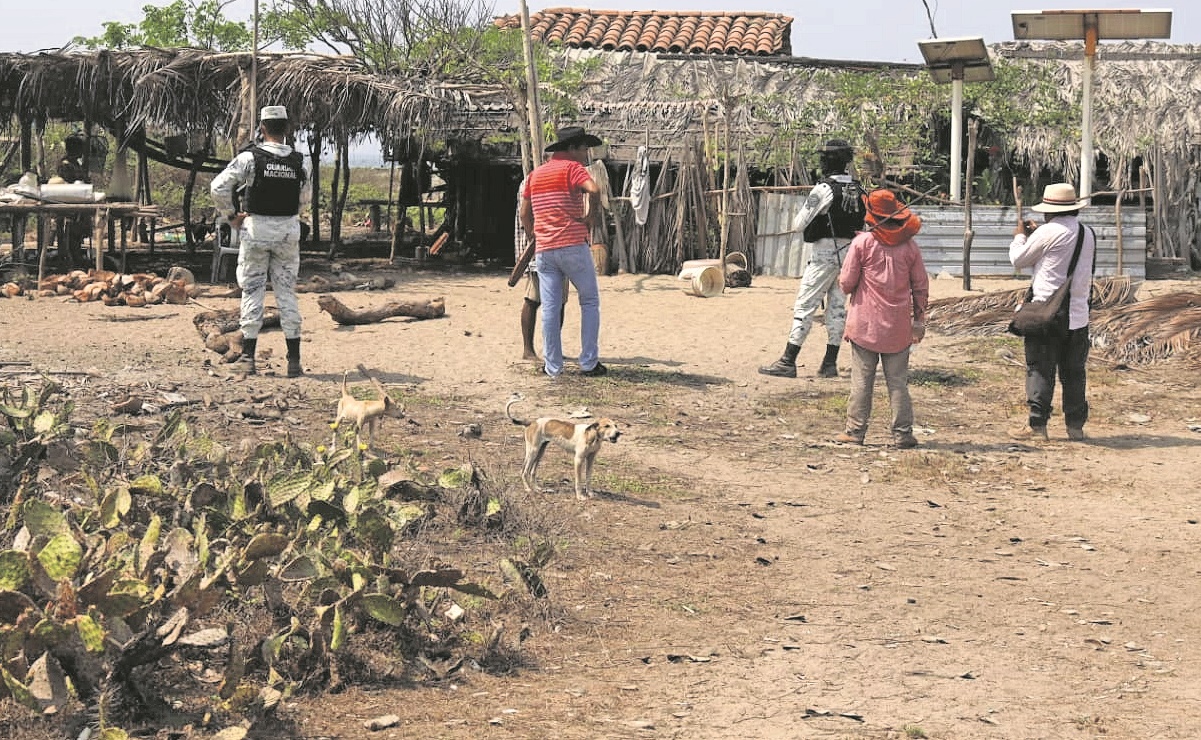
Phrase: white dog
{"type": "Point", "coordinates": [583, 440]}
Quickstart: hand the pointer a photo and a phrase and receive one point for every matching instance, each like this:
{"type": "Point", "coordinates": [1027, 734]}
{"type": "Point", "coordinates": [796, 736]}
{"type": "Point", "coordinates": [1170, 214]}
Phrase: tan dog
{"type": "Point", "coordinates": [583, 440]}
{"type": "Point", "coordinates": [364, 413]}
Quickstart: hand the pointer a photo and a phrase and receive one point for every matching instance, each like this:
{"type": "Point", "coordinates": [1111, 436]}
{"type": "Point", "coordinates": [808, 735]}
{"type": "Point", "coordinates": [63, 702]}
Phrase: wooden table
{"type": "Point", "coordinates": [101, 214]}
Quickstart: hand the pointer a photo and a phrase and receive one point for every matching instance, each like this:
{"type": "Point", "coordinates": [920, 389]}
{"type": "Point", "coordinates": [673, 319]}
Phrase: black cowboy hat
{"type": "Point", "coordinates": [570, 136]}
{"type": "Point", "coordinates": [836, 145]}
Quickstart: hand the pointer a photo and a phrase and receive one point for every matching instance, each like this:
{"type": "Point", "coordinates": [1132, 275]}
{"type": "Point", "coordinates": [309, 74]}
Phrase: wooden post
{"type": "Point", "coordinates": [41, 248]}
{"type": "Point", "coordinates": [968, 233]}
{"type": "Point", "coordinates": [1117, 217]}
{"type": "Point", "coordinates": [392, 221]}
{"type": "Point", "coordinates": [315, 144]}
{"type": "Point", "coordinates": [531, 81]}
{"type": "Point", "coordinates": [725, 194]}
{"type": "Point", "coordinates": [26, 145]}
{"type": "Point", "coordinates": [99, 230]}
{"type": "Point", "coordinates": [529, 158]}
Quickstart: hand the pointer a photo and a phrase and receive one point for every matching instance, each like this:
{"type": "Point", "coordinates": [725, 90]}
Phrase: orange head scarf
{"type": "Point", "coordinates": [889, 219]}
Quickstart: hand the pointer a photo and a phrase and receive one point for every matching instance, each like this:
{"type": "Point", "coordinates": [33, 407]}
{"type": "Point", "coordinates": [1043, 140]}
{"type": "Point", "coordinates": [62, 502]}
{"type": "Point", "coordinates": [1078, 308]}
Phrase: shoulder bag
{"type": "Point", "coordinates": [1048, 318]}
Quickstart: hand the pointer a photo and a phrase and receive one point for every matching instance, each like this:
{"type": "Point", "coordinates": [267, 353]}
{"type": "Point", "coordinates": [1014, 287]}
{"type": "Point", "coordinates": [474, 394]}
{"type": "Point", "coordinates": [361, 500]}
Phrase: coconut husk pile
{"type": "Point", "coordinates": [115, 289]}
{"type": "Point", "coordinates": [989, 314]}
{"type": "Point", "coordinates": [222, 333]}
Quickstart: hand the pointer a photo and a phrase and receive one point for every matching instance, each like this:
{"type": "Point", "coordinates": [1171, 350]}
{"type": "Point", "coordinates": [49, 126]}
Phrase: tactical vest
{"type": "Point", "coordinates": [275, 190]}
{"type": "Point", "coordinates": [844, 216]}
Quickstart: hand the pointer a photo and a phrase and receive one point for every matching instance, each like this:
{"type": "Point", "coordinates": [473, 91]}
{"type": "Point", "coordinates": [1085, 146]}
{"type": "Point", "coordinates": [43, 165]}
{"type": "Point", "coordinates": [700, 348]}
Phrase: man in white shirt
{"type": "Point", "coordinates": [1048, 249]}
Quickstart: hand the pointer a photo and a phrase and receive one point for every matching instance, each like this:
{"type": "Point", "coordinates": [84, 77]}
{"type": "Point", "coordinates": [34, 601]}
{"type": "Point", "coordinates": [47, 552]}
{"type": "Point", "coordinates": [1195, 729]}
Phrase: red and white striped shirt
{"type": "Point", "coordinates": [555, 190]}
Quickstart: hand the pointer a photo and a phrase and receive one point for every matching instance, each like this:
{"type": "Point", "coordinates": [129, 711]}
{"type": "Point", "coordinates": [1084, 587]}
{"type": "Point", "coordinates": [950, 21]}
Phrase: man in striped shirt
{"type": "Point", "coordinates": [559, 205]}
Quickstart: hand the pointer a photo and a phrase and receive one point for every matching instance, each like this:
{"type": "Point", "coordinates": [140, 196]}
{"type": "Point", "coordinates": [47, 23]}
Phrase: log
{"type": "Point", "coordinates": [432, 308]}
{"type": "Point", "coordinates": [222, 322]}
{"type": "Point", "coordinates": [319, 284]}
{"type": "Point", "coordinates": [222, 333]}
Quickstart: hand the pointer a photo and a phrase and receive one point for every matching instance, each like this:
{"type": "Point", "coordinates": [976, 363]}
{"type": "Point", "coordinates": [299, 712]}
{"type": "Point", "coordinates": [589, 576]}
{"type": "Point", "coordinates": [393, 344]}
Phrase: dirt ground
{"type": "Point", "coordinates": [740, 576]}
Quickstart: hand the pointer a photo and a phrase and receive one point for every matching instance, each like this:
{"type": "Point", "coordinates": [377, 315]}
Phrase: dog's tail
{"type": "Point", "coordinates": [515, 398]}
{"type": "Point", "coordinates": [379, 387]}
{"type": "Point", "coordinates": [344, 382]}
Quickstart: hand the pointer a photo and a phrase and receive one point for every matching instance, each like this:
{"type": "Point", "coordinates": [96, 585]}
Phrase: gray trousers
{"type": "Point", "coordinates": [819, 283]}
{"type": "Point", "coordinates": [863, 380]}
{"type": "Point", "coordinates": [278, 261]}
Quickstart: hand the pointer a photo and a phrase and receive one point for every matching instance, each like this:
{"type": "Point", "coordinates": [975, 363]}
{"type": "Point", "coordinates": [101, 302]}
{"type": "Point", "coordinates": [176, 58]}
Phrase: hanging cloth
{"type": "Point", "coordinates": [640, 196]}
{"type": "Point", "coordinates": [600, 175]}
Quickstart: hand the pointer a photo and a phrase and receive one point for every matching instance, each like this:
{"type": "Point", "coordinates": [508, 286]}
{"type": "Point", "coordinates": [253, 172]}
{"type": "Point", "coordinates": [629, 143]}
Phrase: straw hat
{"type": "Point", "coordinates": [1059, 197]}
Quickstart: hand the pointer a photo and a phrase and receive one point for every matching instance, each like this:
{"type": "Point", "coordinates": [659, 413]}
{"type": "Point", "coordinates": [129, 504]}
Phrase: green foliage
{"type": "Point", "coordinates": [29, 424]}
{"type": "Point", "coordinates": [904, 112]}
{"type": "Point", "coordinates": [303, 532]}
{"type": "Point", "coordinates": [388, 37]}
{"type": "Point", "coordinates": [1022, 96]}
{"type": "Point", "coordinates": [199, 24]}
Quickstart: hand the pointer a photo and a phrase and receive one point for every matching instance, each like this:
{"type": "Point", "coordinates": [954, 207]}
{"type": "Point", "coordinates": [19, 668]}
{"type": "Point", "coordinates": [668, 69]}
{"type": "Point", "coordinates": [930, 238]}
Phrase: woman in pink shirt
{"type": "Point", "coordinates": [887, 290]}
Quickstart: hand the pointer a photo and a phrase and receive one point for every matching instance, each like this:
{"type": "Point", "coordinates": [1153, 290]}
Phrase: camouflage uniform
{"type": "Point", "coordinates": [270, 247]}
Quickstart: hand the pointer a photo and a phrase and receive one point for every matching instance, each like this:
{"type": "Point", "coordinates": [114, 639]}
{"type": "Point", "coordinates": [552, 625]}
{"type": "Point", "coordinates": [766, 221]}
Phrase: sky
{"type": "Point", "coordinates": [862, 30]}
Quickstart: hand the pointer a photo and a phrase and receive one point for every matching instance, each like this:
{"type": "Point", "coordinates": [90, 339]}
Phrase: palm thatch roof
{"type": "Point", "coordinates": [1146, 109]}
{"type": "Point", "coordinates": [184, 90]}
{"type": "Point", "coordinates": [1147, 105]}
{"type": "Point", "coordinates": [1146, 96]}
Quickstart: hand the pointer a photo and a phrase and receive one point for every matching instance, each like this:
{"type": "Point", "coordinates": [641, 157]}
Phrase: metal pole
{"type": "Point", "coordinates": [531, 82]}
{"type": "Point", "coordinates": [956, 132]}
{"type": "Point", "coordinates": [1086, 125]}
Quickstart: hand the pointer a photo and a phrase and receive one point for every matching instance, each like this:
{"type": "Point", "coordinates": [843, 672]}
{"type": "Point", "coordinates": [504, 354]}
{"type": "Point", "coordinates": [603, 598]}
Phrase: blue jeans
{"type": "Point", "coordinates": [571, 264]}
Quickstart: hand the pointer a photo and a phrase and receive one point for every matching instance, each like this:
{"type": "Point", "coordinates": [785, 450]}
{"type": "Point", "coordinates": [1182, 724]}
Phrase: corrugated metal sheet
{"type": "Point", "coordinates": [777, 246]}
{"type": "Point", "coordinates": [778, 250]}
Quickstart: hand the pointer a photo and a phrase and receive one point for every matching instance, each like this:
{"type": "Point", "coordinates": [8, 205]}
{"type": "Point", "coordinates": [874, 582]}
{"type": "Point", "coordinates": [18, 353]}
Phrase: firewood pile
{"type": "Point", "coordinates": [112, 288]}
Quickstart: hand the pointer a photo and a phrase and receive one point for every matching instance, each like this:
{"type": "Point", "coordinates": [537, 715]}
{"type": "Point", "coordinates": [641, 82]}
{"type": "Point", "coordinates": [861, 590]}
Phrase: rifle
{"type": "Point", "coordinates": [522, 263]}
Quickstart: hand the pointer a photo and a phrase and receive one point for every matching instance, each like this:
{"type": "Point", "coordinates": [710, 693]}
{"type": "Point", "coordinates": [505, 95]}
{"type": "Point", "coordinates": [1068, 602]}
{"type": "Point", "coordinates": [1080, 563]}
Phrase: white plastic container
{"type": "Point", "coordinates": [704, 281]}
{"type": "Point", "coordinates": [27, 185]}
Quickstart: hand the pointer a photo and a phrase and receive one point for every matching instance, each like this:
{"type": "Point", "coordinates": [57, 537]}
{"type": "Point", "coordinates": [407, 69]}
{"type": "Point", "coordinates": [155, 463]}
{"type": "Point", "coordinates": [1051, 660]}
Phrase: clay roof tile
{"type": "Point", "coordinates": [629, 37]}
{"type": "Point", "coordinates": [711, 32]}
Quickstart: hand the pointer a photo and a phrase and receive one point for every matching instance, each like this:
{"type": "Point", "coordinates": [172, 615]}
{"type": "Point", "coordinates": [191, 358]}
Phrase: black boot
{"type": "Point", "coordinates": [245, 363]}
{"type": "Point", "coordinates": [785, 367]}
{"type": "Point", "coordinates": [829, 366]}
{"type": "Point", "coordinates": [294, 370]}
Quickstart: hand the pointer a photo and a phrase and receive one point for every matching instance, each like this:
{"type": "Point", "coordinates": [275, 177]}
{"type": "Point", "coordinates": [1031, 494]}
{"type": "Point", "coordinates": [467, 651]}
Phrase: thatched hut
{"type": "Point", "coordinates": [743, 111]}
{"type": "Point", "coordinates": [171, 105]}
{"type": "Point", "coordinates": [1147, 128]}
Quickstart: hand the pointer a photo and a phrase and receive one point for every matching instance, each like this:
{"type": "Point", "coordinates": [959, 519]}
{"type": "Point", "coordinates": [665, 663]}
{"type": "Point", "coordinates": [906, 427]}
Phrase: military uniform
{"type": "Point", "coordinates": [269, 181]}
{"type": "Point", "coordinates": [829, 219]}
